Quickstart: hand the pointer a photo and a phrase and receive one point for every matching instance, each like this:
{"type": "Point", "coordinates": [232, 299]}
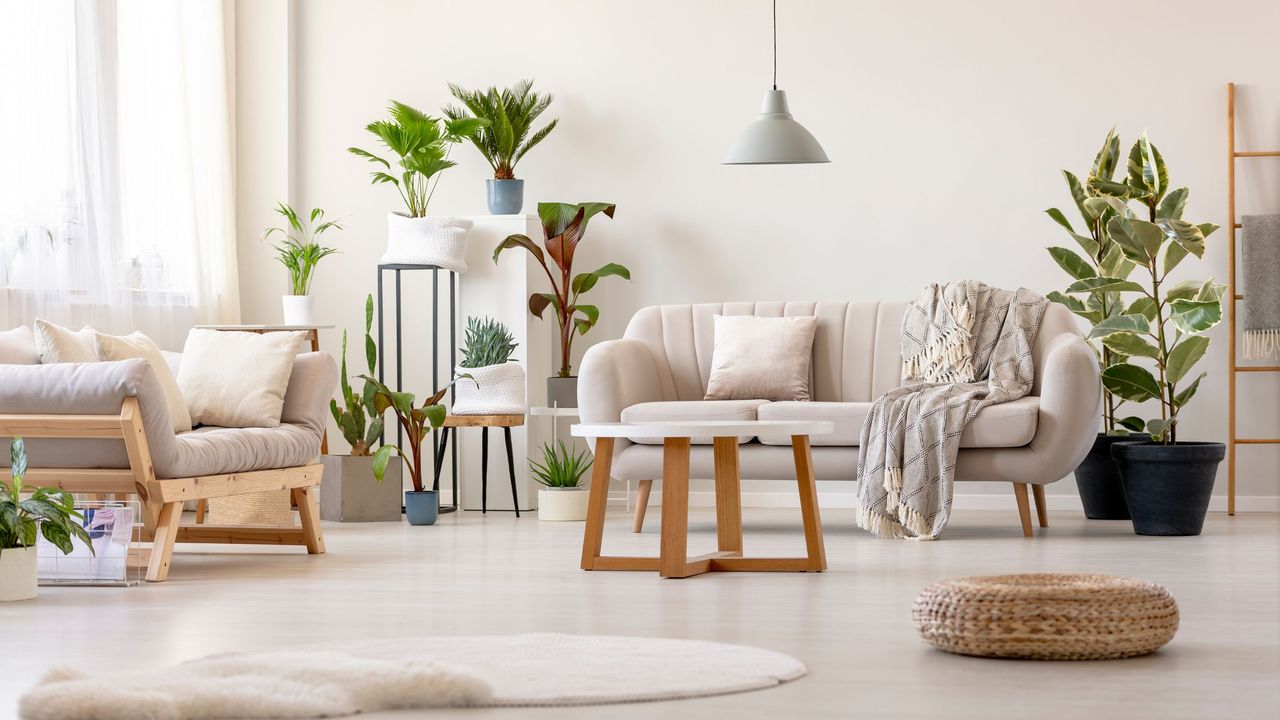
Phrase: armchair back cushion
{"type": "Point", "coordinates": [18, 347]}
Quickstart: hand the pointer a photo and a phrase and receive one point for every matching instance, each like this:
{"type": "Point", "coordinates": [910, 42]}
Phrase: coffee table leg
{"type": "Point", "coordinates": [728, 495]}
{"type": "Point", "coordinates": [674, 556]}
{"type": "Point", "coordinates": [809, 503]}
{"type": "Point", "coordinates": [597, 502]}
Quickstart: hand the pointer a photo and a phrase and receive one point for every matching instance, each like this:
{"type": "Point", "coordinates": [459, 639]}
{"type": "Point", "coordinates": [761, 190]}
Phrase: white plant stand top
{"type": "Point", "coordinates": [554, 411]}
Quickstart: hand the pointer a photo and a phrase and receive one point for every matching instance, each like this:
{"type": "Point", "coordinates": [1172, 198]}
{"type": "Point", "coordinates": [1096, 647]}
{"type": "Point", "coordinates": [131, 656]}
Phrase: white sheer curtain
{"type": "Point", "coordinates": [116, 198]}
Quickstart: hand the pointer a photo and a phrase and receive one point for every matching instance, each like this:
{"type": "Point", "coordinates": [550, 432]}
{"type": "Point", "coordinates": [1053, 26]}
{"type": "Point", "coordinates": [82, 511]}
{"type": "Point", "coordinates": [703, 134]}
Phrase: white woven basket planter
{"type": "Point", "coordinates": [495, 390]}
{"type": "Point", "coordinates": [427, 241]}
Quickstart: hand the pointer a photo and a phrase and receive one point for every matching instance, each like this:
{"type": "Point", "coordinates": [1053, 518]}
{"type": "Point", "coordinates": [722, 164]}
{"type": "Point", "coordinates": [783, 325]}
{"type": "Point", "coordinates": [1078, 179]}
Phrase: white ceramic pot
{"type": "Point", "coordinates": [427, 241]}
{"type": "Point", "coordinates": [491, 390]}
{"type": "Point", "coordinates": [299, 309]}
{"type": "Point", "coordinates": [17, 574]}
{"type": "Point", "coordinates": [563, 504]}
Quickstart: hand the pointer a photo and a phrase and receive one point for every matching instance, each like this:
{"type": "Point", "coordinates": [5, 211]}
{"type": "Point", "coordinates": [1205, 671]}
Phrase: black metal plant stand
{"type": "Point", "coordinates": [437, 457]}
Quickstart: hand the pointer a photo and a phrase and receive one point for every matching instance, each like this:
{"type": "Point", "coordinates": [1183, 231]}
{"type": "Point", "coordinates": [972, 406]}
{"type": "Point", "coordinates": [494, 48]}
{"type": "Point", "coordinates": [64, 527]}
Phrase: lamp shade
{"type": "Point", "coordinates": [775, 138]}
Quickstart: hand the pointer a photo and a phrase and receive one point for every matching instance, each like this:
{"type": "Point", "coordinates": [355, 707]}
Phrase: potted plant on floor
{"type": "Point", "coordinates": [421, 506]}
{"type": "Point", "coordinates": [420, 144]}
{"type": "Point", "coordinates": [350, 491]}
{"type": "Point", "coordinates": [505, 138]}
{"type": "Point", "coordinates": [498, 387]}
{"type": "Point", "coordinates": [50, 510]}
{"type": "Point", "coordinates": [1167, 481]}
{"type": "Point", "coordinates": [564, 225]}
{"type": "Point", "coordinates": [300, 252]}
{"type": "Point", "coordinates": [562, 498]}
{"type": "Point", "coordinates": [1095, 300]}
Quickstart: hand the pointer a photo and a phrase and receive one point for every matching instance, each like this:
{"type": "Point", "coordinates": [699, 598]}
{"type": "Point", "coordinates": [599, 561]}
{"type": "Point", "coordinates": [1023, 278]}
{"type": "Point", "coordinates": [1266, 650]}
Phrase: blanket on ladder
{"type": "Point", "coordinates": [965, 346]}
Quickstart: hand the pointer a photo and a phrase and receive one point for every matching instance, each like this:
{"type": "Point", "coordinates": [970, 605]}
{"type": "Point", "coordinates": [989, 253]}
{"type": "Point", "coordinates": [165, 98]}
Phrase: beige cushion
{"type": "Point", "coordinates": [1006, 425]}
{"type": "Point", "coordinates": [761, 357]}
{"type": "Point", "coordinates": [688, 410]}
{"type": "Point", "coordinates": [237, 379]}
{"type": "Point", "coordinates": [137, 345]}
{"type": "Point", "coordinates": [57, 344]}
{"type": "Point", "coordinates": [18, 347]}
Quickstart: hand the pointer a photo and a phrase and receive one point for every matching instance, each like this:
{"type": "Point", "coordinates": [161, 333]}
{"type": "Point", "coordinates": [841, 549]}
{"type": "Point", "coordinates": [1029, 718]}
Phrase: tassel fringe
{"type": "Point", "coordinates": [1261, 344]}
{"type": "Point", "coordinates": [949, 357]}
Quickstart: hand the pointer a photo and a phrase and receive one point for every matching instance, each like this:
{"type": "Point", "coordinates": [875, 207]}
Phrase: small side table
{"type": "Point", "coordinates": [484, 422]}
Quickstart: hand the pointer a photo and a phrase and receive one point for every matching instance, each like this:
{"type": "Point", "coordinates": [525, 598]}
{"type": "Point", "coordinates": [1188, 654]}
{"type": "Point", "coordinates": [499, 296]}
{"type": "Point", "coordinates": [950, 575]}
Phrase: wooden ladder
{"type": "Point", "coordinates": [1236, 296]}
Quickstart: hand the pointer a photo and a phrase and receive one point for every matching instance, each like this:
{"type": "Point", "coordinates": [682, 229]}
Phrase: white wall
{"type": "Point", "coordinates": [947, 124]}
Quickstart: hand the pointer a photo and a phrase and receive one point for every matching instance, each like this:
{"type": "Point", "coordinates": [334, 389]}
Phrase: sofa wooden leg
{"type": "Point", "coordinates": [1024, 507]}
{"type": "Point", "coordinates": [642, 504]}
{"type": "Point", "coordinates": [202, 509]}
{"type": "Point", "coordinates": [162, 544]}
{"type": "Point", "coordinates": [307, 500]}
{"type": "Point", "coordinates": [1042, 508]}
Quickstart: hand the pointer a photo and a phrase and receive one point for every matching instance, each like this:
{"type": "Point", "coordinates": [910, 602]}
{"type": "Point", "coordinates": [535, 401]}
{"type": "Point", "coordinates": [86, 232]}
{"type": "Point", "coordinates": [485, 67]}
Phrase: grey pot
{"type": "Point", "coordinates": [350, 493]}
{"type": "Point", "coordinates": [562, 392]}
{"type": "Point", "coordinates": [421, 507]}
{"type": "Point", "coordinates": [506, 197]}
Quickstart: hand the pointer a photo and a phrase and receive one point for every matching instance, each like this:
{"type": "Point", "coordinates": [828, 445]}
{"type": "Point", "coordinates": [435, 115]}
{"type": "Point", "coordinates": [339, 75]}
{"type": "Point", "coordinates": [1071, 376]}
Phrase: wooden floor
{"type": "Point", "coordinates": [474, 574]}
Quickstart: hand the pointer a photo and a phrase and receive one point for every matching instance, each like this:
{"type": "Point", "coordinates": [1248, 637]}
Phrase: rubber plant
{"type": "Point", "coordinates": [358, 417]}
{"type": "Point", "coordinates": [1159, 337]}
{"type": "Point", "coordinates": [509, 115]}
{"type": "Point", "coordinates": [564, 225]}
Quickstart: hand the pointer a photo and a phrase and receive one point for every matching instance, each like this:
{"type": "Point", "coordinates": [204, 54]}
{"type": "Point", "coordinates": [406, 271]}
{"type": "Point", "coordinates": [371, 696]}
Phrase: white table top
{"type": "Point", "coordinates": [265, 328]}
{"type": "Point", "coordinates": [703, 428]}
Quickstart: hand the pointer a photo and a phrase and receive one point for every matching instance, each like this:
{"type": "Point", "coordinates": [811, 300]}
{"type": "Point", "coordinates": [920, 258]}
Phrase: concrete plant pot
{"type": "Point", "coordinates": [562, 392]}
{"type": "Point", "coordinates": [1167, 487]}
{"type": "Point", "coordinates": [563, 504]}
{"type": "Point", "coordinates": [17, 574]}
{"type": "Point", "coordinates": [350, 493]}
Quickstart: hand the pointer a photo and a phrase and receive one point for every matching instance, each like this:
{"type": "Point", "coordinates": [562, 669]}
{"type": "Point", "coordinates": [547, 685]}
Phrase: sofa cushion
{"type": "Point", "coordinates": [237, 379]}
{"type": "Point", "coordinates": [64, 345]}
{"type": "Point", "coordinates": [18, 347]}
{"type": "Point", "coordinates": [1010, 424]}
{"type": "Point", "coordinates": [687, 410]}
{"type": "Point", "coordinates": [761, 357]}
{"type": "Point", "coordinates": [213, 450]}
{"type": "Point", "coordinates": [138, 345]}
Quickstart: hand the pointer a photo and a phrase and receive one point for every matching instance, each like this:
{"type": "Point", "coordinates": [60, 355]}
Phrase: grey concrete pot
{"type": "Point", "coordinates": [562, 392]}
{"type": "Point", "coordinates": [350, 493]}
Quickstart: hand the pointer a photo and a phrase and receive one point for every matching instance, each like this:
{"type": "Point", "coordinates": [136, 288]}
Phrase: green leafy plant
{"type": "Point", "coordinates": [564, 225]}
{"type": "Point", "coordinates": [421, 145]}
{"type": "Point", "coordinates": [300, 251]}
{"type": "Point", "coordinates": [50, 510]}
{"type": "Point", "coordinates": [560, 467]}
{"type": "Point", "coordinates": [358, 417]}
{"type": "Point", "coordinates": [1163, 327]}
{"type": "Point", "coordinates": [488, 342]}
{"type": "Point", "coordinates": [415, 420]}
{"type": "Point", "coordinates": [509, 116]}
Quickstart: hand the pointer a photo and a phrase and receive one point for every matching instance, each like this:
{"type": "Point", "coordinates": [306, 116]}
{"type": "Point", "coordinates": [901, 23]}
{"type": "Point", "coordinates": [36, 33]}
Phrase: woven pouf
{"type": "Point", "coordinates": [1046, 616]}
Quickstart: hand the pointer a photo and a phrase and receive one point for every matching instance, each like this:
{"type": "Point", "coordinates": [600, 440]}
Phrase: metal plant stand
{"type": "Point", "coordinates": [437, 457]}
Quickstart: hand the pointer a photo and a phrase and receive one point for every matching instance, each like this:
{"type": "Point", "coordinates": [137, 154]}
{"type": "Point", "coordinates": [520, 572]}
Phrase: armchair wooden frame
{"type": "Point", "coordinates": [162, 500]}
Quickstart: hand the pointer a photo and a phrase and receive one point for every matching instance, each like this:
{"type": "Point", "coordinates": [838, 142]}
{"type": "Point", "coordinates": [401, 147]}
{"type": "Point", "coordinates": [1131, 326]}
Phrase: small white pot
{"type": "Point", "coordinates": [17, 574]}
{"type": "Point", "coordinates": [299, 309]}
{"type": "Point", "coordinates": [491, 390]}
{"type": "Point", "coordinates": [427, 241]}
{"type": "Point", "coordinates": [563, 504]}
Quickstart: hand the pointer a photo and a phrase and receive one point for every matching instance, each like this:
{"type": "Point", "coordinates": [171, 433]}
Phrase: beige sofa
{"type": "Point", "coordinates": [659, 371]}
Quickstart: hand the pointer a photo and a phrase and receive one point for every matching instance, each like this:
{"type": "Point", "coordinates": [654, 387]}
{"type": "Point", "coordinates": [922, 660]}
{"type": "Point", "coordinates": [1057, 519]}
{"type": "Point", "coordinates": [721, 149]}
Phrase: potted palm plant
{"type": "Point", "coordinates": [564, 225]}
{"type": "Point", "coordinates": [498, 387]}
{"type": "Point", "coordinates": [562, 498]}
{"type": "Point", "coordinates": [300, 252]}
{"type": "Point", "coordinates": [1167, 481]}
{"type": "Point", "coordinates": [421, 506]}
{"type": "Point", "coordinates": [506, 137]}
{"type": "Point", "coordinates": [350, 492]}
{"type": "Point", "coordinates": [420, 145]}
{"type": "Point", "coordinates": [1097, 478]}
{"type": "Point", "coordinates": [50, 511]}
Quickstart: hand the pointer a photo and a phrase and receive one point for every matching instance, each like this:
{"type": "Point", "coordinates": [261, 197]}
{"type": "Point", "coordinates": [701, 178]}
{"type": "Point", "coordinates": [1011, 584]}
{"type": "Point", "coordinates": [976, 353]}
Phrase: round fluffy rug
{"type": "Point", "coordinates": [484, 671]}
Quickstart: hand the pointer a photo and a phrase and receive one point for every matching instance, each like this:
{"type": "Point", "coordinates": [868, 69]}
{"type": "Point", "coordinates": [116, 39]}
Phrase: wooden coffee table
{"type": "Point", "coordinates": [673, 560]}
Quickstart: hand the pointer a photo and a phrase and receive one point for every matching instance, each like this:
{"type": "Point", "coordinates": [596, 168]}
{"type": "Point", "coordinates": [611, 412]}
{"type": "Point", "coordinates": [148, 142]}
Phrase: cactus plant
{"type": "Point", "coordinates": [358, 417]}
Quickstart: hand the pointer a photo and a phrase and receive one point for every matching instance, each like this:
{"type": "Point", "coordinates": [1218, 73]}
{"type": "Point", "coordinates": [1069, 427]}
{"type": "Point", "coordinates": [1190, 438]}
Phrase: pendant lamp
{"type": "Point", "coordinates": [775, 138]}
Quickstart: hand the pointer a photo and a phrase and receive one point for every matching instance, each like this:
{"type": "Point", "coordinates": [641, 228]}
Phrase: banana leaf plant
{"type": "Point", "coordinates": [1159, 337]}
{"type": "Point", "coordinates": [415, 420]}
{"type": "Point", "coordinates": [358, 418]}
{"type": "Point", "coordinates": [564, 225]}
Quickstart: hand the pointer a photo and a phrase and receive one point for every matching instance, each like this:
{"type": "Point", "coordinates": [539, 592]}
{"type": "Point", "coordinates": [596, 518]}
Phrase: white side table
{"type": "Point", "coordinates": [673, 559]}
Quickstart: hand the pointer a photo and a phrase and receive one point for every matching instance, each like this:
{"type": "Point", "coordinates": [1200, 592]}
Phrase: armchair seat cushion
{"type": "Point", "coordinates": [211, 450]}
{"type": "Point", "coordinates": [1007, 425]}
{"type": "Point", "coordinates": [689, 410]}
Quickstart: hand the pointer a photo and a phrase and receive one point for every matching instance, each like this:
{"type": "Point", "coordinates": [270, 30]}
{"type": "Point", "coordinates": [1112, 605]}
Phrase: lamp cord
{"type": "Point", "coordinates": [775, 44]}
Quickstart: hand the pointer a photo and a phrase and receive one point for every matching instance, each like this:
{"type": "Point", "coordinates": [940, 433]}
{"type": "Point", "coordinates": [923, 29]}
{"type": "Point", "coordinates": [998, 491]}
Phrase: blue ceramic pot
{"type": "Point", "coordinates": [506, 197]}
{"type": "Point", "coordinates": [421, 508]}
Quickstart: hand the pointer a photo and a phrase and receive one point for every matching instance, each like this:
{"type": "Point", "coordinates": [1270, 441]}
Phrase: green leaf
{"type": "Point", "coordinates": [1114, 263]}
{"type": "Point", "coordinates": [1061, 219]}
{"type": "Point", "coordinates": [1184, 234]}
{"type": "Point", "coordinates": [1110, 187]}
{"type": "Point", "coordinates": [1130, 382]}
{"type": "Point", "coordinates": [1172, 205]}
{"type": "Point", "coordinates": [1075, 266]}
{"type": "Point", "coordinates": [1172, 256]}
{"type": "Point", "coordinates": [1136, 238]}
{"type": "Point", "coordinates": [1131, 345]}
{"type": "Point", "coordinates": [585, 281]}
{"type": "Point", "coordinates": [1158, 427]}
{"type": "Point", "coordinates": [592, 316]}
{"type": "Point", "coordinates": [519, 241]}
{"type": "Point", "coordinates": [1196, 316]}
{"type": "Point", "coordinates": [1188, 392]}
{"type": "Point", "coordinates": [435, 415]}
{"type": "Point", "coordinates": [17, 458]}
{"type": "Point", "coordinates": [380, 459]}
{"type": "Point", "coordinates": [1211, 291]}
{"type": "Point", "coordinates": [538, 302]}
{"type": "Point", "coordinates": [1107, 284]}
{"type": "Point", "coordinates": [58, 535]}
{"type": "Point", "coordinates": [1143, 306]}
{"type": "Point", "coordinates": [1184, 356]}
{"type": "Point", "coordinates": [369, 156]}
{"type": "Point", "coordinates": [1074, 305]}
{"type": "Point", "coordinates": [1121, 323]}
{"type": "Point", "coordinates": [1104, 163]}
{"type": "Point", "coordinates": [1133, 423]}
{"type": "Point", "coordinates": [1185, 290]}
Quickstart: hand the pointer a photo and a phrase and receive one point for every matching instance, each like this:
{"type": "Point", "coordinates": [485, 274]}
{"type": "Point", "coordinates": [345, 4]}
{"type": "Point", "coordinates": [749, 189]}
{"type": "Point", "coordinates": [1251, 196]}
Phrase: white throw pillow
{"type": "Point", "coordinates": [137, 345]}
{"type": "Point", "coordinates": [18, 347]}
{"type": "Point", "coordinates": [237, 379]}
{"type": "Point", "coordinates": [57, 344]}
{"type": "Point", "coordinates": [761, 358]}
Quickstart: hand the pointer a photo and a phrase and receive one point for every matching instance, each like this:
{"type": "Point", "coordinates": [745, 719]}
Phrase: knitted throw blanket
{"type": "Point", "coordinates": [964, 346]}
{"type": "Point", "coordinates": [1261, 246]}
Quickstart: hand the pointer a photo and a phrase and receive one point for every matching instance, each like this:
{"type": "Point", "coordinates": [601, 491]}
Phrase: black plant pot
{"type": "Point", "coordinates": [1099, 481]}
{"type": "Point", "coordinates": [1167, 487]}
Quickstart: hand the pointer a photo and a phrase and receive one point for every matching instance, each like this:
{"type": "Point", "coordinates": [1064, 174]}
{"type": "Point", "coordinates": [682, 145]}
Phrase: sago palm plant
{"type": "Point", "coordinates": [509, 115]}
